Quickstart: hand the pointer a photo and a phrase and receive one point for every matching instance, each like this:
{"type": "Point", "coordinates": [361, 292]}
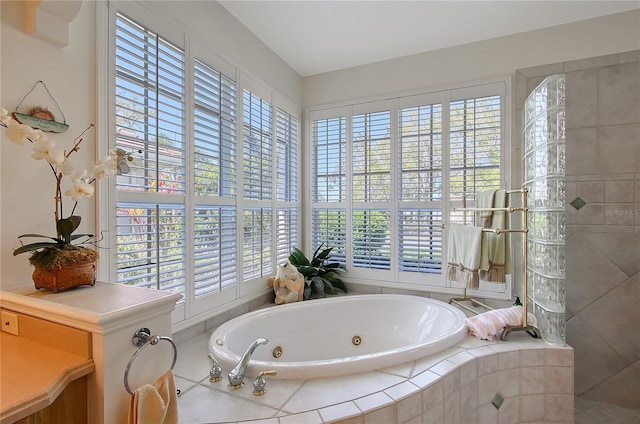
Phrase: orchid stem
{"type": "Point", "coordinates": [58, 197]}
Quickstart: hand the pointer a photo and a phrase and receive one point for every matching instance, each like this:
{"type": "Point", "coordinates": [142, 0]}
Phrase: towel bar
{"type": "Point", "coordinates": [533, 331]}
{"type": "Point", "coordinates": [509, 209]}
{"type": "Point", "coordinates": [497, 230]}
{"type": "Point", "coordinates": [465, 298]}
{"type": "Point", "coordinates": [143, 338]}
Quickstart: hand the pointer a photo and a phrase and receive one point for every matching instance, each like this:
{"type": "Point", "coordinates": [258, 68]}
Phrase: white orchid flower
{"type": "Point", "coordinates": [115, 156]}
{"type": "Point", "coordinates": [4, 116]}
{"type": "Point", "coordinates": [66, 168]}
{"type": "Point", "coordinates": [79, 190]}
{"type": "Point", "coordinates": [19, 133]}
{"type": "Point", "coordinates": [112, 163]}
{"type": "Point", "coordinates": [37, 135]}
{"type": "Point", "coordinates": [44, 148]}
{"type": "Point", "coordinates": [78, 176]}
{"type": "Point", "coordinates": [104, 168]}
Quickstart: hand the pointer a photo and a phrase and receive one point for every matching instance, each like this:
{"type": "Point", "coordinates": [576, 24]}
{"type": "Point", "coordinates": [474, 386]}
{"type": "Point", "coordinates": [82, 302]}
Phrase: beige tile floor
{"type": "Point", "coordinates": [193, 366]}
{"type": "Point", "coordinates": [592, 412]}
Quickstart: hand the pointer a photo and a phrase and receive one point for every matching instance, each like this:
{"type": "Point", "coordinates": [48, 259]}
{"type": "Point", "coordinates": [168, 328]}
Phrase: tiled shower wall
{"type": "Point", "coordinates": [603, 236]}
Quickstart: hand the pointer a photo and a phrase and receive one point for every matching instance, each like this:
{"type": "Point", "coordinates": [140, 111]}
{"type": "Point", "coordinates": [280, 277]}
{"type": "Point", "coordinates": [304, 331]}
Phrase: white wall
{"type": "Point", "coordinates": [26, 186]}
{"type": "Point", "coordinates": [224, 35]}
{"type": "Point", "coordinates": [486, 59]}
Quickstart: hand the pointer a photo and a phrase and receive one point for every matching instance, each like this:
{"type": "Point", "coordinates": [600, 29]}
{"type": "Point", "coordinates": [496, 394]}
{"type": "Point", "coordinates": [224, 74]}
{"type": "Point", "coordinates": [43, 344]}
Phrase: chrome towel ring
{"type": "Point", "coordinates": [143, 338]}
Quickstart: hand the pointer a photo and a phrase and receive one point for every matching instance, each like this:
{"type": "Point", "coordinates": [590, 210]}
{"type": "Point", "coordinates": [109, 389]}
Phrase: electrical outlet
{"type": "Point", "coordinates": [9, 322]}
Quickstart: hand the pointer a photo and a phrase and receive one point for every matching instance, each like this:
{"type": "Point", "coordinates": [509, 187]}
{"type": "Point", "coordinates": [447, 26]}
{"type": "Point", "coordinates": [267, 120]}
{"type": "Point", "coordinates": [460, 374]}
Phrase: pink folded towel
{"type": "Point", "coordinates": [487, 324]}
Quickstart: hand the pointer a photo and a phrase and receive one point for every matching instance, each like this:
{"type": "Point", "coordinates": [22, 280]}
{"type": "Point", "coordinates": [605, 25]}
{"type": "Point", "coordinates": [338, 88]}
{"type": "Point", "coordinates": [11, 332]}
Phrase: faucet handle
{"type": "Point", "coordinates": [215, 373]}
{"type": "Point", "coordinates": [260, 383]}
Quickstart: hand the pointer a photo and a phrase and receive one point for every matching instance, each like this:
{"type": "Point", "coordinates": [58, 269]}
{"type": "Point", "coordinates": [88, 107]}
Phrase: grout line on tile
{"type": "Point", "coordinates": [304, 383]}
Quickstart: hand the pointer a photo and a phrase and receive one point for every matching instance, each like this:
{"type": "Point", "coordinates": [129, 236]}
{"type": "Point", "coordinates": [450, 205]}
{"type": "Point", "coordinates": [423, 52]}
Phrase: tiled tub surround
{"type": "Point", "coordinates": [457, 385]}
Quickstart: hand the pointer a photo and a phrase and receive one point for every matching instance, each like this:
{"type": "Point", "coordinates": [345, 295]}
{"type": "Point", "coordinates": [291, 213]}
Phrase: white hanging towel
{"type": "Point", "coordinates": [463, 255]}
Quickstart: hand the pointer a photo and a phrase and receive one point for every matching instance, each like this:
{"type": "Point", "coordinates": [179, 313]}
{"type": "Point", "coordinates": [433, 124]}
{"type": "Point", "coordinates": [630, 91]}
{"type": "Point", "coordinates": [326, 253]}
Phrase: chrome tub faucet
{"type": "Point", "coordinates": [236, 375]}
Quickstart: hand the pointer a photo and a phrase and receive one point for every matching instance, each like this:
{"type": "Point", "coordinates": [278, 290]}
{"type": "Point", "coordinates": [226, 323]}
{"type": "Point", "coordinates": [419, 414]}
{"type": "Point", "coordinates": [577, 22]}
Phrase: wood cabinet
{"type": "Point", "coordinates": [44, 371]}
{"type": "Point", "coordinates": [70, 407]}
{"type": "Point", "coordinates": [108, 315]}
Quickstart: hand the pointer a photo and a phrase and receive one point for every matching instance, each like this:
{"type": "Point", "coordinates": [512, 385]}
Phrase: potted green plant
{"type": "Point", "coordinates": [321, 276]}
{"type": "Point", "coordinates": [62, 262]}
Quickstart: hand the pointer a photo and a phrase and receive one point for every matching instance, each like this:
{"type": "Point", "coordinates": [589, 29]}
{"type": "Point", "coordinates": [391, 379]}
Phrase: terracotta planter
{"type": "Point", "coordinates": [66, 277]}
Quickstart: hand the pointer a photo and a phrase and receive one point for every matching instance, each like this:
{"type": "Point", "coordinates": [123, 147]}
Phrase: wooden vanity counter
{"type": "Point", "coordinates": [39, 364]}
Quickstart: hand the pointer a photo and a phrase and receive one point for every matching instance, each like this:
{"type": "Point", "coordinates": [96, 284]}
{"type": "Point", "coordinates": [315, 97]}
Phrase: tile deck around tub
{"type": "Point", "coordinates": [460, 382]}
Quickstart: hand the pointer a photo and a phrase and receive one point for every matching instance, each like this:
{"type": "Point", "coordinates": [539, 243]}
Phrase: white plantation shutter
{"type": "Point", "coordinates": [202, 207]}
{"type": "Point", "coordinates": [215, 132]}
{"type": "Point", "coordinates": [287, 156]}
{"type": "Point", "coordinates": [287, 223]}
{"type": "Point", "coordinates": [330, 227]}
{"type": "Point", "coordinates": [215, 249]}
{"type": "Point", "coordinates": [258, 148]}
{"type": "Point", "coordinates": [151, 246]}
{"type": "Point", "coordinates": [371, 141]}
{"type": "Point", "coordinates": [371, 239]}
{"type": "Point", "coordinates": [150, 104]}
{"type": "Point", "coordinates": [329, 164]}
{"type": "Point", "coordinates": [420, 153]}
{"type": "Point", "coordinates": [258, 242]}
{"type": "Point", "coordinates": [150, 123]}
{"type": "Point", "coordinates": [371, 182]}
{"type": "Point", "coordinates": [329, 215]}
{"type": "Point", "coordinates": [420, 156]}
{"type": "Point", "coordinates": [475, 145]}
{"type": "Point", "coordinates": [258, 187]}
{"type": "Point", "coordinates": [286, 232]}
{"type": "Point", "coordinates": [215, 226]}
{"type": "Point", "coordinates": [384, 179]}
{"type": "Point", "coordinates": [420, 240]}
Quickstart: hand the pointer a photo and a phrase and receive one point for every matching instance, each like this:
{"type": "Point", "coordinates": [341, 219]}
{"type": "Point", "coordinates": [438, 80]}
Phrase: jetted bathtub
{"type": "Point", "coordinates": [339, 335]}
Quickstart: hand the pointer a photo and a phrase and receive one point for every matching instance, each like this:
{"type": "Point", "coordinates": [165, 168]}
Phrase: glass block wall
{"type": "Point", "coordinates": [544, 177]}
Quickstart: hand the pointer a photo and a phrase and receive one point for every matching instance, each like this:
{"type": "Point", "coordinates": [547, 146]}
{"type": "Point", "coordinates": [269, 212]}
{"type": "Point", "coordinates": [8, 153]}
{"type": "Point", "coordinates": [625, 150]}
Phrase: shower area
{"type": "Point", "coordinates": [584, 239]}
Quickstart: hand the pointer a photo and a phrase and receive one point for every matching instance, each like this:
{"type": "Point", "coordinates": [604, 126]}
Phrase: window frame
{"type": "Point", "coordinates": [394, 278]}
{"type": "Point", "coordinates": [191, 309]}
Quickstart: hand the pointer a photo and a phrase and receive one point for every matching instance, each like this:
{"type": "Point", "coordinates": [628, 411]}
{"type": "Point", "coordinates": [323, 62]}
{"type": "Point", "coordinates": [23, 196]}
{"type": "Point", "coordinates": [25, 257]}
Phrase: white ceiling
{"type": "Point", "coordinates": [325, 35]}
